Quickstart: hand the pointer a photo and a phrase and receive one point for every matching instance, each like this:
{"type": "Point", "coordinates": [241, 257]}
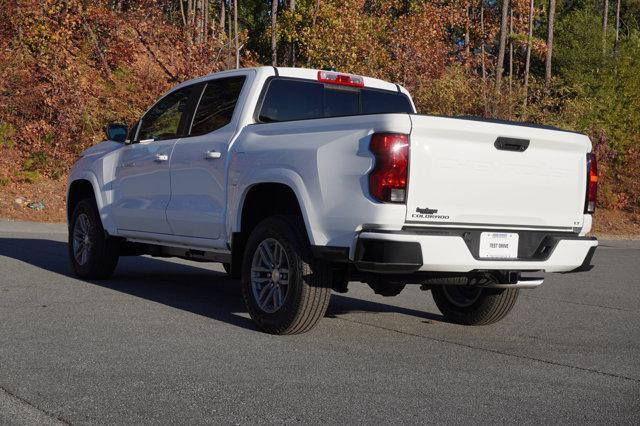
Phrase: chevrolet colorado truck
{"type": "Point", "coordinates": [300, 181]}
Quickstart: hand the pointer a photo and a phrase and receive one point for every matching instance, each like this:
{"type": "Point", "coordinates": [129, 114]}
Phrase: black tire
{"type": "Point", "coordinates": [308, 291]}
{"type": "Point", "coordinates": [474, 306]}
{"type": "Point", "coordinates": [102, 252]}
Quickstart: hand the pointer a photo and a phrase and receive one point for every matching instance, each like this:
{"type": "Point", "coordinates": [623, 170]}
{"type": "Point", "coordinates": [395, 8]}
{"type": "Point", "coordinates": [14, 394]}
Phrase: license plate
{"type": "Point", "coordinates": [498, 245]}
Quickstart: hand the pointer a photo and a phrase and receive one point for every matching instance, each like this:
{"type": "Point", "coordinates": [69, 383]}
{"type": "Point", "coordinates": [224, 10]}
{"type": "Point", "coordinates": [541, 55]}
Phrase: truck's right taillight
{"type": "Point", "coordinates": [592, 183]}
{"type": "Point", "coordinates": [388, 179]}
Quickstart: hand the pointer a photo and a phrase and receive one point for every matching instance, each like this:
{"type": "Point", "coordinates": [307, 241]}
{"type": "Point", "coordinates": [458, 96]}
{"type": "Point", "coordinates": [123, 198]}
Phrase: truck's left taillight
{"type": "Point", "coordinates": [388, 179]}
{"type": "Point", "coordinates": [592, 183]}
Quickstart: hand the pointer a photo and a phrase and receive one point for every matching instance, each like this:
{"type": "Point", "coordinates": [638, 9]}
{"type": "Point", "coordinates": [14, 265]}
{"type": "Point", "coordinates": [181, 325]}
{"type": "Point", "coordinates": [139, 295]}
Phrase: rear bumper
{"type": "Point", "coordinates": [446, 250]}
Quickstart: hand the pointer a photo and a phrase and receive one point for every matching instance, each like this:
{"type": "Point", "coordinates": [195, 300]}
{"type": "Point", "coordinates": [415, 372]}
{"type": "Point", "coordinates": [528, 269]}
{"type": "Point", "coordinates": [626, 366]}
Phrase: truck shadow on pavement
{"type": "Point", "coordinates": [182, 286]}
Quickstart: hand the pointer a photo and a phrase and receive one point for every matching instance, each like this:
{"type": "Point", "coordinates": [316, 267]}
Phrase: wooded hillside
{"type": "Point", "coordinates": [69, 67]}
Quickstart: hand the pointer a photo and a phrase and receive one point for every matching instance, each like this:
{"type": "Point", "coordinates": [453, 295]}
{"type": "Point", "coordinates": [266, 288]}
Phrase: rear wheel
{"type": "Point", "coordinates": [92, 254]}
{"type": "Point", "coordinates": [471, 305]}
{"type": "Point", "coordinates": [286, 291]}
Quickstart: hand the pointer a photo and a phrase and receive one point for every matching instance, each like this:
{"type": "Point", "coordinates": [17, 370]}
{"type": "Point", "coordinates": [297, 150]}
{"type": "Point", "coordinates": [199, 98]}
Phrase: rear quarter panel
{"type": "Point", "coordinates": [326, 163]}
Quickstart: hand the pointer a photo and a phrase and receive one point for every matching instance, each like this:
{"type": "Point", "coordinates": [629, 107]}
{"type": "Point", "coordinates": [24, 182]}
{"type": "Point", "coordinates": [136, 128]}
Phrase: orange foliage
{"type": "Point", "coordinates": [70, 67]}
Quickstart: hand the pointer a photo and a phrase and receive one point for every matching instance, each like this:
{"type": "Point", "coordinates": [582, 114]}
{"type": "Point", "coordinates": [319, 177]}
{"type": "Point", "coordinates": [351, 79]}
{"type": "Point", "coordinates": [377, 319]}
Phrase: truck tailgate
{"type": "Point", "coordinates": [464, 172]}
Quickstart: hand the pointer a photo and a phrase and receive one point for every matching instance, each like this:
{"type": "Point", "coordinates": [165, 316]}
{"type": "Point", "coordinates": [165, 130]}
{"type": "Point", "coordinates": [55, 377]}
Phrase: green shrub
{"type": "Point", "coordinates": [7, 134]}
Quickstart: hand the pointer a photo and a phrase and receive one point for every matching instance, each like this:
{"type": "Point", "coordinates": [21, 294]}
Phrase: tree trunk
{"type": "Point", "coordinates": [617, 39]}
{"type": "Point", "coordinates": [198, 17]}
{"type": "Point", "coordinates": [503, 43]}
{"type": "Point", "coordinates": [205, 20]}
{"type": "Point", "coordinates": [314, 18]}
{"type": "Point", "coordinates": [274, 42]}
{"type": "Point", "coordinates": [605, 15]}
{"type": "Point", "coordinates": [184, 18]}
{"type": "Point", "coordinates": [466, 30]}
{"type": "Point", "coordinates": [482, 53]}
{"type": "Point", "coordinates": [510, 48]}
{"type": "Point", "coordinates": [230, 27]}
{"type": "Point", "coordinates": [235, 32]}
{"type": "Point", "coordinates": [223, 10]}
{"type": "Point", "coordinates": [527, 62]}
{"type": "Point", "coordinates": [551, 23]}
{"type": "Point", "coordinates": [292, 46]}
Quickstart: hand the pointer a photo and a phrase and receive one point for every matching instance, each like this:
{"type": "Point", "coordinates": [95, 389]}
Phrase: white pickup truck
{"type": "Point", "coordinates": [300, 181]}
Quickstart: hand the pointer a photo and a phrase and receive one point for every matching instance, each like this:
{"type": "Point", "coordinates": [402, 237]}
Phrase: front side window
{"type": "Point", "coordinates": [217, 104]}
{"type": "Point", "coordinates": [162, 122]}
{"type": "Point", "coordinates": [290, 99]}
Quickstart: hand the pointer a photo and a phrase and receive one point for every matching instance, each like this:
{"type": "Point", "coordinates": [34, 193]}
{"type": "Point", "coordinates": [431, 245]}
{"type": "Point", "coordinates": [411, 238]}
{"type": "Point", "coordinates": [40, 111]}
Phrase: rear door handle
{"type": "Point", "coordinates": [212, 155]}
{"type": "Point", "coordinates": [161, 157]}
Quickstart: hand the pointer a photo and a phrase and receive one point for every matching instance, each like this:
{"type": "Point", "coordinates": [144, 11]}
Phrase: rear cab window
{"type": "Point", "coordinates": [289, 99]}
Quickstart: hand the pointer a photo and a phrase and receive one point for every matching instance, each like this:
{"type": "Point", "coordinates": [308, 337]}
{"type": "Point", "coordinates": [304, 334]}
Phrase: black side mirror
{"type": "Point", "coordinates": [116, 132]}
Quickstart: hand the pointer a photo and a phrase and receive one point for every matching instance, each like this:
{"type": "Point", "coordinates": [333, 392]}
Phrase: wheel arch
{"type": "Point", "coordinates": [80, 187]}
{"type": "Point", "coordinates": [265, 199]}
{"type": "Point", "coordinates": [260, 200]}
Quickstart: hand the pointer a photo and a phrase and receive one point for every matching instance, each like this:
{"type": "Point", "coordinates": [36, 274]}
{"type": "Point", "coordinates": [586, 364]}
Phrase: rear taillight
{"type": "Point", "coordinates": [333, 77]}
{"type": "Point", "coordinates": [388, 179]}
{"type": "Point", "coordinates": [592, 183]}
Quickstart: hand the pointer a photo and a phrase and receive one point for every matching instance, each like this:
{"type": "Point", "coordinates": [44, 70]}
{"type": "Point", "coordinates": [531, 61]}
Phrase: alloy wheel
{"type": "Point", "coordinates": [270, 275]}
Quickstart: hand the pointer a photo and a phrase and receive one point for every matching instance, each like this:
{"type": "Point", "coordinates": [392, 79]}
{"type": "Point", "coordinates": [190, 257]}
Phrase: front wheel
{"type": "Point", "coordinates": [471, 305]}
{"type": "Point", "coordinates": [286, 291]}
{"type": "Point", "coordinates": [92, 254]}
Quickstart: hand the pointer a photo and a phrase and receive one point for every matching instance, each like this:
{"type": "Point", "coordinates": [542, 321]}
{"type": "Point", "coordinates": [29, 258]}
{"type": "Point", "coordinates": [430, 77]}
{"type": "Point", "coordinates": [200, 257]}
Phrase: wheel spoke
{"type": "Point", "coordinates": [263, 292]}
{"type": "Point", "coordinates": [81, 239]}
{"type": "Point", "coordinates": [275, 296]}
{"type": "Point", "coordinates": [267, 255]}
{"type": "Point", "coordinates": [267, 296]}
{"type": "Point", "coordinates": [270, 275]}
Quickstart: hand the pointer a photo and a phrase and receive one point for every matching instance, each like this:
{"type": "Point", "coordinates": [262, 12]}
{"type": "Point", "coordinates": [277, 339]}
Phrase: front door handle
{"type": "Point", "coordinates": [161, 157]}
{"type": "Point", "coordinates": [212, 155]}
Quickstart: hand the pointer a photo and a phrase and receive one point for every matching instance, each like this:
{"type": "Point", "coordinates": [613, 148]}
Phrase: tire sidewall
{"type": "Point", "coordinates": [96, 234]}
{"type": "Point", "coordinates": [481, 312]}
{"type": "Point", "coordinates": [283, 317]}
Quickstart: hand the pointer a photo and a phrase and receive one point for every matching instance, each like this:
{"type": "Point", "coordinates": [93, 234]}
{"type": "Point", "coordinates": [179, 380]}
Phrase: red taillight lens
{"type": "Point", "coordinates": [388, 179]}
{"type": "Point", "coordinates": [592, 183]}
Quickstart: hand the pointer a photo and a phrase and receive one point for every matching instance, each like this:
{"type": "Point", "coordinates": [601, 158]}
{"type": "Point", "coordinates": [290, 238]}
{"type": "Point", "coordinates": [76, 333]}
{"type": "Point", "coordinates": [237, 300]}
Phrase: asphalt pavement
{"type": "Point", "coordinates": [169, 341]}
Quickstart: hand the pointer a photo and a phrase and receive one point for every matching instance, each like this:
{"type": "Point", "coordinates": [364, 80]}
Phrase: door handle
{"type": "Point", "coordinates": [212, 155]}
{"type": "Point", "coordinates": [161, 157]}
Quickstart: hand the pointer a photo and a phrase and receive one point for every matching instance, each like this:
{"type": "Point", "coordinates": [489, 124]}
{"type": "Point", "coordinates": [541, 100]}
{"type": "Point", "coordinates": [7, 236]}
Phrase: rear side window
{"type": "Point", "coordinates": [216, 105]}
{"type": "Point", "coordinates": [290, 99]}
{"type": "Point", "coordinates": [378, 102]}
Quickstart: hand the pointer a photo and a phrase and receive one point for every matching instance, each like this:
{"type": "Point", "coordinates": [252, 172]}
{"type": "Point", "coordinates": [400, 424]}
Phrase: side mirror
{"type": "Point", "coordinates": [116, 132]}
